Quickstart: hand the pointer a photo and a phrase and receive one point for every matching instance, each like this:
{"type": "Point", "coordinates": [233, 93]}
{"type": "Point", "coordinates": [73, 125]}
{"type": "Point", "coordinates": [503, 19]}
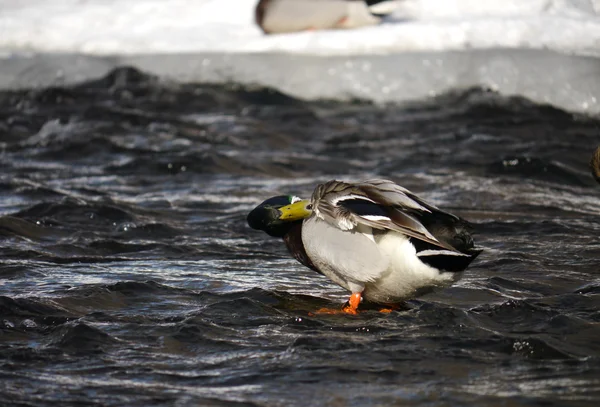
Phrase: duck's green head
{"type": "Point", "coordinates": [278, 215]}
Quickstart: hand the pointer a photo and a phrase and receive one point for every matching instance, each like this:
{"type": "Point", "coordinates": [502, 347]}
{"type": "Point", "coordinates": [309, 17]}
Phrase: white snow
{"type": "Point", "coordinates": [176, 26]}
{"type": "Point", "coordinates": [546, 50]}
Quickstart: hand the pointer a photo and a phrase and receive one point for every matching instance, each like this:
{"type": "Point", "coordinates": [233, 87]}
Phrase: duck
{"type": "Point", "coordinates": [283, 16]}
{"type": "Point", "coordinates": [376, 239]}
{"type": "Point", "coordinates": [595, 164]}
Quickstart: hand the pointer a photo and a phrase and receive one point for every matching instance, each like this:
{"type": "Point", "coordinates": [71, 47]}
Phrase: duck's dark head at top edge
{"type": "Point", "coordinates": [595, 164]}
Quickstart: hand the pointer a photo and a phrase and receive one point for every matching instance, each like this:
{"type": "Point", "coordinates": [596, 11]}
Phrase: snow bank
{"type": "Point", "coordinates": [543, 49]}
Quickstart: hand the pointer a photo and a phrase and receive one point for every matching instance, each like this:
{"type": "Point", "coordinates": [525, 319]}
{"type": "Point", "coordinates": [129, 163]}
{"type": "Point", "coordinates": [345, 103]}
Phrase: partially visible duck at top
{"type": "Point", "coordinates": [595, 164]}
{"type": "Point", "coordinates": [284, 16]}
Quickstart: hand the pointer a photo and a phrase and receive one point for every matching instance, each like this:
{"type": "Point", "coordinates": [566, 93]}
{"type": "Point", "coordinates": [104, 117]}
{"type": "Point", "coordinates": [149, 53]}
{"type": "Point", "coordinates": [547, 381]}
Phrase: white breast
{"type": "Point", "coordinates": [407, 276]}
{"type": "Point", "coordinates": [349, 258]}
{"type": "Point", "coordinates": [386, 270]}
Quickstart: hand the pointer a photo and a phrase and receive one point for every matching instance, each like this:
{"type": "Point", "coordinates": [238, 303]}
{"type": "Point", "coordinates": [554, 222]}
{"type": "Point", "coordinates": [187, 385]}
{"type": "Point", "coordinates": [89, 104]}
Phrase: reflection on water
{"type": "Point", "coordinates": [129, 276]}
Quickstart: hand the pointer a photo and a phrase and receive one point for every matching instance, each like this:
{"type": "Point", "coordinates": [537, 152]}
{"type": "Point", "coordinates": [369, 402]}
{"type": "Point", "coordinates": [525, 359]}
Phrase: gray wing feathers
{"type": "Point", "coordinates": [388, 193]}
{"type": "Point", "coordinates": [399, 203]}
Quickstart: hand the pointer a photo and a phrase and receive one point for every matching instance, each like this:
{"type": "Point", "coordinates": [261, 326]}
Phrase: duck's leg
{"type": "Point", "coordinates": [353, 303]}
{"type": "Point", "coordinates": [350, 308]}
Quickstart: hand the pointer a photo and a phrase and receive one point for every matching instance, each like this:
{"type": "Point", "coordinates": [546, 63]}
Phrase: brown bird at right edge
{"type": "Point", "coordinates": [284, 16]}
{"type": "Point", "coordinates": [374, 238]}
{"type": "Point", "coordinates": [595, 164]}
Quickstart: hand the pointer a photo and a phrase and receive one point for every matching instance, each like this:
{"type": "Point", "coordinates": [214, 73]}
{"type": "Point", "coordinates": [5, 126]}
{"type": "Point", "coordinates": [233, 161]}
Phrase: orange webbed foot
{"type": "Point", "coordinates": [388, 308]}
{"type": "Point", "coordinates": [327, 311]}
{"type": "Point", "coordinates": [351, 308]}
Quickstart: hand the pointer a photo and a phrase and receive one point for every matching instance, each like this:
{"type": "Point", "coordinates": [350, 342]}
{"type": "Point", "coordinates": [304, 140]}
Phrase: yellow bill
{"type": "Point", "coordinates": [296, 211]}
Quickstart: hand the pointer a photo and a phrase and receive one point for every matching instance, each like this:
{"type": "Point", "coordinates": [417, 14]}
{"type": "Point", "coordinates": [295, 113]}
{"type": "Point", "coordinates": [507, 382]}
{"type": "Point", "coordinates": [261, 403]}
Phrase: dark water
{"type": "Point", "coordinates": [129, 277]}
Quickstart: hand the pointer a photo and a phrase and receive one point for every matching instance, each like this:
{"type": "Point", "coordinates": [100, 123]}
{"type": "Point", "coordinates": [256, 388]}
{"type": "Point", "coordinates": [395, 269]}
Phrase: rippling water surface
{"type": "Point", "coordinates": [129, 277]}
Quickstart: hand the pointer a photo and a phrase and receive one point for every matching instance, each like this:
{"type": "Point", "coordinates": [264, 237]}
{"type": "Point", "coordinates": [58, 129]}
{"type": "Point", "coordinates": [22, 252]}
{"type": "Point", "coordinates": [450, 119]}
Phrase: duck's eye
{"type": "Point", "coordinates": [309, 207]}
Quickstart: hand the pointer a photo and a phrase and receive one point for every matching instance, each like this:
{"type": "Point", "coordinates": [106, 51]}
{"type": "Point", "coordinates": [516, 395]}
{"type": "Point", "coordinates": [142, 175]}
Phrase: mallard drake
{"type": "Point", "coordinates": [378, 240]}
{"type": "Point", "coordinates": [280, 16]}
